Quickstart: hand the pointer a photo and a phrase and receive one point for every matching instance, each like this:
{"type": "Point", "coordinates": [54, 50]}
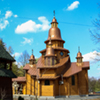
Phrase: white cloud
{"type": "Point", "coordinates": [45, 26]}
{"type": "Point", "coordinates": [0, 11]}
{"type": "Point", "coordinates": [16, 54]}
{"type": "Point", "coordinates": [4, 21]}
{"type": "Point", "coordinates": [4, 24]}
{"type": "Point", "coordinates": [27, 41]}
{"type": "Point", "coordinates": [92, 56]}
{"type": "Point", "coordinates": [15, 15]}
{"type": "Point", "coordinates": [18, 63]}
{"type": "Point", "coordinates": [73, 5]}
{"type": "Point", "coordinates": [8, 14]}
{"type": "Point", "coordinates": [31, 26]}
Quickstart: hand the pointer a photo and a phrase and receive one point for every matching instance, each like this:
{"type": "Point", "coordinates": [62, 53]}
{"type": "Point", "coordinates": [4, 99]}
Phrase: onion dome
{"type": "Point", "coordinates": [49, 50]}
{"type": "Point", "coordinates": [54, 21]}
{"type": "Point", "coordinates": [79, 55]}
{"type": "Point", "coordinates": [32, 56]}
{"type": "Point", "coordinates": [54, 31]}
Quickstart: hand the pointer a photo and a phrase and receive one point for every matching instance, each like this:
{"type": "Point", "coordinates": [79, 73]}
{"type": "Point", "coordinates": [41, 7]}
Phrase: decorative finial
{"type": "Point", "coordinates": [32, 51]}
{"type": "Point", "coordinates": [54, 13]}
{"type": "Point", "coordinates": [50, 44]}
{"type": "Point", "coordinates": [79, 49]}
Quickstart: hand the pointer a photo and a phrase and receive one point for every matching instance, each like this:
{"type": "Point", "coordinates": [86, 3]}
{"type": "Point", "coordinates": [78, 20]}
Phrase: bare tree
{"type": "Point", "coordinates": [24, 58]}
{"type": "Point", "coordinates": [2, 93]}
{"type": "Point", "coordinates": [10, 50]}
{"type": "Point", "coordinates": [95, 35]}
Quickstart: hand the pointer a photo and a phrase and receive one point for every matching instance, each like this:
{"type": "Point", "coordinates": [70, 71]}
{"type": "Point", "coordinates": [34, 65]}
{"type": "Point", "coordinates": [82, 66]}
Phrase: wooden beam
{"type": "Point", "coordinates": [5, 65]}
{"type": "Point", "coordinates": [11, 66]}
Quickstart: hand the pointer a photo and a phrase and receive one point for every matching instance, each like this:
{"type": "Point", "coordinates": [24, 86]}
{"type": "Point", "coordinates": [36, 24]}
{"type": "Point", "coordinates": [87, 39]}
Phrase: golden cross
{"type": "Point", "coordinates": [79, 49]}
{"type": "Point", "coordinates": [32, 51]}
{"type": "Point", "coordinates": [54, 13]}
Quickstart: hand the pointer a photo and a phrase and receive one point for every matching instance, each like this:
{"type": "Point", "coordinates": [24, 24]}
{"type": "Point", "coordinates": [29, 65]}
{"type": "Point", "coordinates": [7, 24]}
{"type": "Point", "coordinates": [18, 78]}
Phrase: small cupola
{"type": "Point", "coordinates": [54, 22]}
{"type": "Point", "coordinates": [79, 56]}
{"type": "Point", "coordinates": [32, 59]}
{"type": "Point", "coordinates": [50, 55]}
{"type": "Point", "coordinates": [49, 50]}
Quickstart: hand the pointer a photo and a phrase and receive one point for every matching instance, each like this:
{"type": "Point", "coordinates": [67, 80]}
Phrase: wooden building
{"type": "Point", "coordinates": [6, 74]}
{"type": "Point", "coordinates": [54, 74]}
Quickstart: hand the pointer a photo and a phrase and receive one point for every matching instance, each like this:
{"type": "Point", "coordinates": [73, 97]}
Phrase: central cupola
{"type": "Point", "coordinates": [55, 34]}
{"type": "Point", "coordinates": [54, 31]}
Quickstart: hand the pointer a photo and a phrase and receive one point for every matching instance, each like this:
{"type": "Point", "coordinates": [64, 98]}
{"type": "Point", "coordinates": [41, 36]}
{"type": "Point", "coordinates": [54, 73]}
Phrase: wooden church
{"type": "Point", "coordinates": [54, 74]}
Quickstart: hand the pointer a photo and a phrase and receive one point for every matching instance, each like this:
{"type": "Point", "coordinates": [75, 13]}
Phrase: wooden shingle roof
{"type": "Point", "coordinates": [7, 73]}
{"type": "Point", "coordinates": [57, 48]}
{"type": "Point", "coordinates": [31, 70]}
{"type": "Point", "coordinates": [19, 79]}
{"type": "Point", "coordinates": [73, 68]}
{"type": "Point", "coordinates": [5, 55]}
{"type": "Point", "coordinates": [40, 63]}
{"type": "Point", "coordinates": [49, 77]}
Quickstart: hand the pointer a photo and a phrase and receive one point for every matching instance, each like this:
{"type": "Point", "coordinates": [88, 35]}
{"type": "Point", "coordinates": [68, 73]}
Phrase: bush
{"type": "Point", "coordinates": [20, 98]}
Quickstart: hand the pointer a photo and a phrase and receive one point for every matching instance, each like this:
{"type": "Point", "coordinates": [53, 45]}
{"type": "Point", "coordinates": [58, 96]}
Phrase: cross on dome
{"type": "Point", "coordinates": [79, 49]}
{"type": "Point", "coordinates": [32, 51]}
{"type": "Point", "coordinates": [54, 13]}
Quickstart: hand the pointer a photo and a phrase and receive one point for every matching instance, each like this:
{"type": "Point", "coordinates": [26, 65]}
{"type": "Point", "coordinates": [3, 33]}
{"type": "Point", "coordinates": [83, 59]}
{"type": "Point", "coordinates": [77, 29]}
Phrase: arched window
{"type": "Point", "coordinates": [73, 80]}
{"type": "Point", "coordinates": [48, 61]}
{"type": "Point", "coordinates": [45, 60]}
{"type": "Point", "coordinates": [53, 61]}
{"type": "Point", "coordinates": [47, 82]}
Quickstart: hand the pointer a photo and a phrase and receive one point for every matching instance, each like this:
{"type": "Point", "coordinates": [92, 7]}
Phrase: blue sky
{"type": "Point", "coordinates": [24, 25]}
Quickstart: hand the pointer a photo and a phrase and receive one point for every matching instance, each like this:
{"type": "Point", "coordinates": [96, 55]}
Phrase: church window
{"type": "Point", "coordinates": [44, 54]}
{"type": "Point", "coordinates": [73, 80]}
{"type": "Point", "coordinates": [48, 61]}
{"type": "Point", "coordinates": [45, 61]}
{"type": "Point", "coordinates": [61, 53]}
{"type": "Point", "coordinates": [53, 61]}
{"type": "Point", "coordinates": [79, 60]}
{"type": "Point", "coordinates": [47, 82]}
